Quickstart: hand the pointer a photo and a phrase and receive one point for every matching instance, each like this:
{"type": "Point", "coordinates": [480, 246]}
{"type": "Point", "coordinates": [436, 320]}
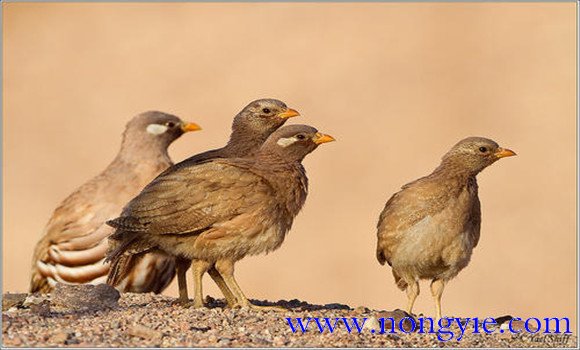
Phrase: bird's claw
{"type": "Point", "coordinates": [196, 304]}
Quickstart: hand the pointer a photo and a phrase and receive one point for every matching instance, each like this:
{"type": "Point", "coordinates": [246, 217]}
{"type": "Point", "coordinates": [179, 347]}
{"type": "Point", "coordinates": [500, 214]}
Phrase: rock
{"type": "Point", "coordinates": [212, 339]}
{"type": "Point", "coordinates": [58, 338]}
{"type": "Point", "coordinates": [225, 342]}
{"type": "Point", "coordinates": [6, 323]}
{"type": "Point", "coordinates": [336, 306]}
{"type": "Point", "coordinates": [199, 329]}
{"type": "Point", "coordinates": [72, 341]}
{"type": "Point", "coordinates": [279, 341]}
{"type": "Point", "coordinates": [184, 326]}
{"type": "Point", "coordinates": [372, 324]}
{"type": "Point", "coordinates": [361, 310]}
{"type": "Point", "coordinates": [38, 304]}
{"type": "Point", "coordinates": [16, 341]}
{"type": "Point", "coordinates": [503, 319]}
{"type": "Point", "coordinates": [397, 315]}
{"type": "Point", "coordinates": [293, 304]}
{"type": "Point", "coordinates": [41, 309]}
{"type": "Point", "coordinates": [85, 297]}
{"type": "Point", "coordinates": [12, 299]}
{"type": "Point", "coordinates": [35, 300]}
{"type": "Point", "coordinates": [518, 326]}
{"type": "Point", "coordinates": [144, 332]}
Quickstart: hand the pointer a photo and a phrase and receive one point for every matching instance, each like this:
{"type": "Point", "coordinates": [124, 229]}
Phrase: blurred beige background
{"type": "Point", "coordinates": [396, 84]}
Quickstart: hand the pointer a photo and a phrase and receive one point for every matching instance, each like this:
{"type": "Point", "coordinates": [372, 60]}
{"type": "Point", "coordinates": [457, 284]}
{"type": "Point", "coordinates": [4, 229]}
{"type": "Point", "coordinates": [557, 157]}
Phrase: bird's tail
{"type": "Point", "coordinates": [119, 255]}
{"type": "Point", "coordinates": [144, 272]}
{"type": "Point", "coordinates": [381, 256]}
{"type": "Point", "coordinates": [137, 266]}
{"type": "Point", "coordinates": [38, 284]}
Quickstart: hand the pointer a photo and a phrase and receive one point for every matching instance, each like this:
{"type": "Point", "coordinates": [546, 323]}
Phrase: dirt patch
{"type": "Point", "coordinates": [146, 320]}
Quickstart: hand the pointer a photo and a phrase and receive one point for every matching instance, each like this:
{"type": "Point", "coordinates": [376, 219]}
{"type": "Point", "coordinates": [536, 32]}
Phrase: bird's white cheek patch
{"type": "Point", "coordinates": [285, 142]}
{"type": "Point", "coordinates": [156, 129]}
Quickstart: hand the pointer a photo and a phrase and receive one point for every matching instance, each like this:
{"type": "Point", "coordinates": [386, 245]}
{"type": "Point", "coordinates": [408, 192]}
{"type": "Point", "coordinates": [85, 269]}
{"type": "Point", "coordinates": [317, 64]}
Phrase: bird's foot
{"type": "Point", "coordinates": [179, 301]}
{"type": "Point", "coordinates": [186, 303]}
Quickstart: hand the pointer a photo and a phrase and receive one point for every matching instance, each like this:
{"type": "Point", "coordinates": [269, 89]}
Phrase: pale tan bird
{"type": "Point", "coordinates": [429, 229]}
{"type": "Point", "coordinates": [220, 211]}
{"type": "Point", "coordinates": [74, 242]}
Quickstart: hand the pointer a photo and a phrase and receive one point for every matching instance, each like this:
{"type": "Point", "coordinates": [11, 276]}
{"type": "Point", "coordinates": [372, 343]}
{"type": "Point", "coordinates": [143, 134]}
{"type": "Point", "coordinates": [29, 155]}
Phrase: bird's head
{"type": "Point", "coordinates": [294, 142]}
{"type": "Point", "coordinates": [261, 117]}
{"type": "Point", "coordinates": [157, 128]}
{"type": "Point", "coordinates": [475, 154]}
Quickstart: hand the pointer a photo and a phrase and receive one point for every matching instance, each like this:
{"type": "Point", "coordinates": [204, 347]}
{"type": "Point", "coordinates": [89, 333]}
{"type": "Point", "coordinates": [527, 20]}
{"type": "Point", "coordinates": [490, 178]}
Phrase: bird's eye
{"type": "Point", "coordinates": [170, 124]}
{"type": "Point", "coordinates": [300, 137]}
{"type": "Point", "coordinates": [266, 110]}
{"type": "Point", "coordinates": [482, 149]}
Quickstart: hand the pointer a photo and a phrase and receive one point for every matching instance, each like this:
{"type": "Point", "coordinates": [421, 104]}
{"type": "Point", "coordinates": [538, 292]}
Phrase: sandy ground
{"type": "Point", "coordinates": [154, 321]}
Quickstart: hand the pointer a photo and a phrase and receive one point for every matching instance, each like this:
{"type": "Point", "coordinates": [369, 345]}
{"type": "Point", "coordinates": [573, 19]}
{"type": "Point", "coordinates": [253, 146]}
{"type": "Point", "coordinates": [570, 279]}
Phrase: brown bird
{"type": "Point", "coordinates": [220, 211]}
{"type": "Point", "coordinates": [73, 245]}
{"type": "Point", "coordinates": [429, 228]}
{"type": "Point", "coordinates": [250, 128]}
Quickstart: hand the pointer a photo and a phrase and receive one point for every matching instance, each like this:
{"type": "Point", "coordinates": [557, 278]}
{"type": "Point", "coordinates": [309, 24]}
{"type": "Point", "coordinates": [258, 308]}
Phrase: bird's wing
{"type": "Point", "coordinates": [475, 221]}
{"type": "Point", "coordinates": [193, 198]}
{"type": "Point", "coordinates": [405, 208]}
{"type": "Point", "coordinates": [73, 244]}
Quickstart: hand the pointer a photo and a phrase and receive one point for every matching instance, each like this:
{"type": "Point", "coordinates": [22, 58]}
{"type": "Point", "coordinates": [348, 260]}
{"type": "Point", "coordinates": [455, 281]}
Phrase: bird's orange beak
{"type": "Point", "coordinates": [186, 127]}
{"type": "Point", "coordinates": [504, 152]}
{"type": "Point", "coordinates": [289, 113]}
{"type": "Point", "coordinates": [320, 138]}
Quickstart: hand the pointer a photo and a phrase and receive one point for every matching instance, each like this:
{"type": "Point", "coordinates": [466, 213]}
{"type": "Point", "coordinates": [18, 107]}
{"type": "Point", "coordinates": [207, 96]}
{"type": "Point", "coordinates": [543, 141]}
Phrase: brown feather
{"type": "Point", "coordinates": [73, 244]}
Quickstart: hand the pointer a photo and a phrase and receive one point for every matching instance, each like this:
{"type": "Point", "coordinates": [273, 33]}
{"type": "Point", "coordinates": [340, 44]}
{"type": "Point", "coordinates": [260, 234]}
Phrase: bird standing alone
{"type": "Point", "coordinates": [428, 229]}
{"type": "Point", "coordinates": [74, 243]}
{"type": "Point", "coordinates": [222, 210]}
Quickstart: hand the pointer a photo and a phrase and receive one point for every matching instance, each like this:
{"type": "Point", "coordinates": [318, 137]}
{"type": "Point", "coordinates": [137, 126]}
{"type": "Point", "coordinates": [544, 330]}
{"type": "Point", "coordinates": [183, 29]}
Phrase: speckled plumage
{"type": "Point", "coordinates": [73, 245]}
{"type": "Point", "coordinates": [428, 229]}
{"type": "Point", "coordinates": [222, 210]}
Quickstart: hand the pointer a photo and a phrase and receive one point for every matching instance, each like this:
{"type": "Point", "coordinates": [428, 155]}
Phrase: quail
{"type": "Point", "coordinates": [220, 211]}
{"type": "Point", "coordinates": [73, 245]}
{"type": "Point", "coordinates": [250, 128]}
{"type": "Point", "coordinates": [429, 228]}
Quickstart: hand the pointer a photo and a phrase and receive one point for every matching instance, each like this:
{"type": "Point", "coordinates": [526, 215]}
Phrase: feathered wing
{"type": "Point", "coordinates": [405, 208]}
{"type": "Point", "coordinates": [151, 270]}
{"type": "Point", "coordinates": [73, 245]}
{"type": "Point", "coordinates": [475, 221]}
{"type": "Point", "coordinates": [189, 200]}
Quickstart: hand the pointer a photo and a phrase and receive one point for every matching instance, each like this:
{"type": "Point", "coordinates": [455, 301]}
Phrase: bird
{"type": "Point", "coordinates": [429, 228]}
{"type": "Point", "coordinates": [220, 211]}
{"type": "Point", "coordinates": [250, 128]}
{"type": "Point", "coordinates": [72, 247]}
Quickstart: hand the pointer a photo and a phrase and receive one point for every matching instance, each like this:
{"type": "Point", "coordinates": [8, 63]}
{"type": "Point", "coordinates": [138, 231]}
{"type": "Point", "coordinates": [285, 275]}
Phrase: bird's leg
{"type": "Point", "coordinates": [219, 280]}
{"type": "Point", "coordinates": [226, 269]}
{"type": "Point", "coordinates": [199, 268]}
{"type": "Point", "coordinates": [181, 266]}
{"type": "Point", "coordinates": [412, 293]}
{"type": "Point", "coordinates": [437, 287]}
